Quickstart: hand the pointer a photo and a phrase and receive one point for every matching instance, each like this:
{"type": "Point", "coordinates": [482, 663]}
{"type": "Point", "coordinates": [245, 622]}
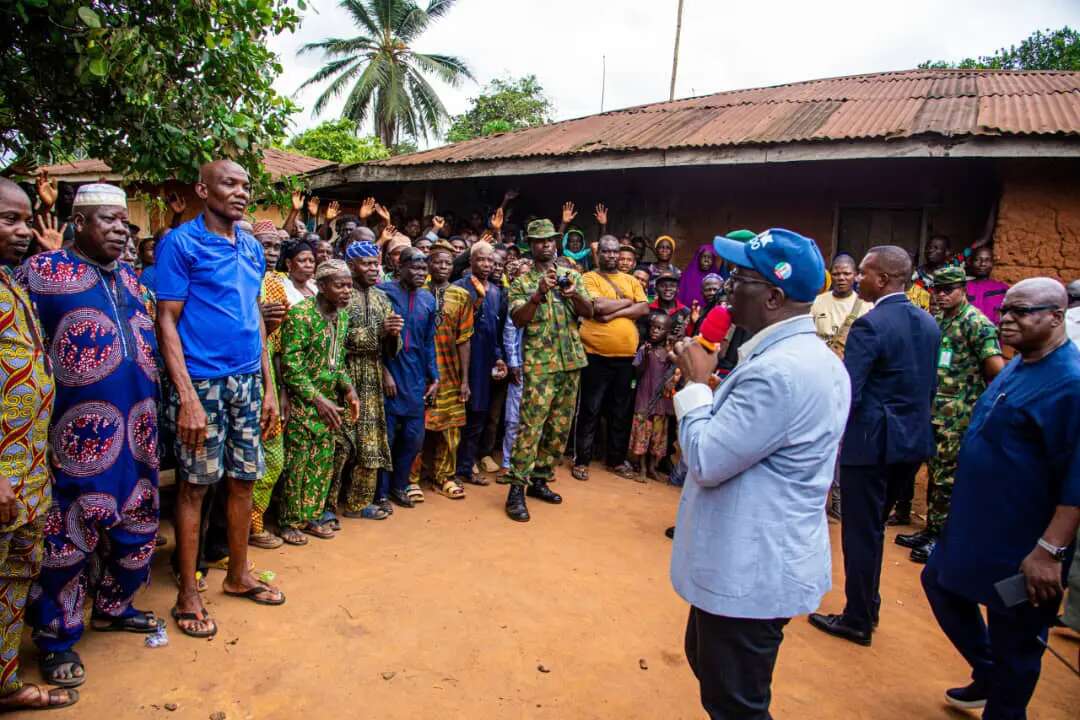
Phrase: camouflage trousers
{"type": "Point", "coordinates": [547, 411]}
{"type": "Point", "coordinates": [942, 472]}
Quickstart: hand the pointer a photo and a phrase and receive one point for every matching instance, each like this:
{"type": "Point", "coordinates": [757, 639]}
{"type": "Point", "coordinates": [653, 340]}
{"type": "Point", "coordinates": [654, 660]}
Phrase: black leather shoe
{"type": "Point", "coordinates": [914, 540]}
{"type": "Point", "coordinates": [922, 554]}
{"type": "Point", "coordinates": [836, 625]}
{"type": "Point", "coordinates": [540, 490]}
{"type": "Point", "coordinates": [515, 504]}
{"type": "Point", "coordinates": [971, 697]}
{"type": "Point", "coordinates": [670, 533]}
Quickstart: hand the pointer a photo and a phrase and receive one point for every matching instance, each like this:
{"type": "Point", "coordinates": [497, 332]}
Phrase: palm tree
{"type": "Point", "coordinates": [387, 76]}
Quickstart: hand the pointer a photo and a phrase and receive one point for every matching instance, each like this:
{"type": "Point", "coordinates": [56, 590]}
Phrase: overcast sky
{"type": "Point", "coordinates": [725, 45]}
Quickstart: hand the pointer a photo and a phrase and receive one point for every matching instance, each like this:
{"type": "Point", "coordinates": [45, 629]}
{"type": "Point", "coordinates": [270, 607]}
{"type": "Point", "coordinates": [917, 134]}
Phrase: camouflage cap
{"type": "Point", "coordinates": [540, 229]}
{"type": "Point", "coordinates": [950, 275]}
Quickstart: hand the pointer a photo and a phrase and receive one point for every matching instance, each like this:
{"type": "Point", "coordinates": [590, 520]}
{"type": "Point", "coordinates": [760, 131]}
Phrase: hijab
{"type": "Point", "coordinates": [692, 276]}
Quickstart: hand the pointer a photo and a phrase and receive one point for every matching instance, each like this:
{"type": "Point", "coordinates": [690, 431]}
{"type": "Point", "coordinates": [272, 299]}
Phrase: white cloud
{"type": "Point", "coordinates": [725, 45]}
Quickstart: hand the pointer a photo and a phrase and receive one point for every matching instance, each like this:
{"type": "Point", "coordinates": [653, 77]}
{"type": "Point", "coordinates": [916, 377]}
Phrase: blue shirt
{"type": "Point", "coordinates": [752, 538]}
{"type": "Point", "coordinates": [485, 347]}
{"type": "Point", "coordinates": [1019, 460]}
{"type": "Point", "coordinates": [148, 277]}
{"type": "Point", "coordinates": [219, 283]}
{"type": "Point", "coordinates": [414, 365]}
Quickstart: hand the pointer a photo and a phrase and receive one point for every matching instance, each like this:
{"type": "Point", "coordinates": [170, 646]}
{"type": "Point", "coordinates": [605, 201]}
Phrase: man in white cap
{"type": "Point", "coordinates": [103, 435]}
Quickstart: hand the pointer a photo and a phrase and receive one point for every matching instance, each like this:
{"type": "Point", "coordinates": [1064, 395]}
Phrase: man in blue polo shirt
{"type": "Point", "coordinates": [212, 337]}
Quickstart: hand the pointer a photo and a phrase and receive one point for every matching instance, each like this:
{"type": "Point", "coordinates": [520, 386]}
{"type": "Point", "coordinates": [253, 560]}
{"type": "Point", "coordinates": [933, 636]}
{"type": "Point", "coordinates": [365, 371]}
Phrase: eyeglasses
{"type": "Point", "coordinates": [1025, 310]}
{"type": "Point", "coordinates": [944, 289]}
{"type": "Point", "coordinates": [736, 279]}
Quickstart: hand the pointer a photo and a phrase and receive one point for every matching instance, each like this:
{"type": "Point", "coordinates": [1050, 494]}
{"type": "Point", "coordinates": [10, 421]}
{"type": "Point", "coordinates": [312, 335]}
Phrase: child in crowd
{"type": "Point", "coordinates": [641, 274]}
{"type": "Point", "coordinates": [652, 404]}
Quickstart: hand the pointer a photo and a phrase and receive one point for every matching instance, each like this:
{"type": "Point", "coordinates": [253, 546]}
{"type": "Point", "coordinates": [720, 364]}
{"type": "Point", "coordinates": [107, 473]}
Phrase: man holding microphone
{"type": "Point", "coordinates": [752, 547]}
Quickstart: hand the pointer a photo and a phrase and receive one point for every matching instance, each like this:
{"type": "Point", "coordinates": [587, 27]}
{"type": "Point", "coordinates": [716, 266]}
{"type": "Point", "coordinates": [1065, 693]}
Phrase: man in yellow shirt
{"type": "Point", "coordinates": [836, 309]}
{"type": "Point", "coordinates": [611, 340]}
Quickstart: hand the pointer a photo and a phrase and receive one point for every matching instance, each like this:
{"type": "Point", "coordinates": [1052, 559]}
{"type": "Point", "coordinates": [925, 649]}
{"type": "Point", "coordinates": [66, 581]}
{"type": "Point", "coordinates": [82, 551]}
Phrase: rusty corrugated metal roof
{"type": "Point", "coordinates": [279, 163]}
{"type": "Point", "coordinates": [948, 103]}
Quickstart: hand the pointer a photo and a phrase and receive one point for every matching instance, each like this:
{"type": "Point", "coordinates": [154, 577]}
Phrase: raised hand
{"type": "Point", "coordinates": [333, 210]}
{"type": "Point", "coordinates": [600, 214]}
{"type": "Point", "coordinates": [438, 223]}
{"type": "Point", "coordinates": [510, 195]}
{"type": "Point", "coordinates": [177, 204]}
{"type": "Point", "coordinates": [297, 201]}
{"type": "Point", "coordinates": [388, 232]}
{"type": "Point", "coordinates": [313, 206]}
{"type": "Point", "coordinates": [367, 207]}
{"type": "Point", "coordinates": [46, 190]}
{"type": "Point", "coordinates": [46, 233]}
{"type": "Point", "coordinates": [568, 213]}
{"type": "Point", "coordinates": [497, 220]}
{"type": "Point", "coordinates": [382, 212]}
{"type": "Point", "coordinates": [487, 237]}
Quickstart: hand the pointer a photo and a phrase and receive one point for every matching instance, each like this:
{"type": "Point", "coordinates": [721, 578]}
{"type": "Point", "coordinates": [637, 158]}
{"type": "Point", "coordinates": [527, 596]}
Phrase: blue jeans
{"type": "Point", "coordinates": [405, 435]}
{"type": "Point", "coordinates": [512, 417]}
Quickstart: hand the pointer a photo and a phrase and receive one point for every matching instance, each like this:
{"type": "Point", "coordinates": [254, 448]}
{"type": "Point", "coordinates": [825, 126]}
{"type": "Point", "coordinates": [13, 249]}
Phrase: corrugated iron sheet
{"type": "Point", "coordinates": [901, 104]}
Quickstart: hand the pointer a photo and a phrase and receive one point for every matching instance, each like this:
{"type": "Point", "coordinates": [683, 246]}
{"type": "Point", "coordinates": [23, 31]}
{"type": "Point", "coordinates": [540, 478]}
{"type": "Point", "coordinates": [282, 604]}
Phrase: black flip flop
{"type": "Point", "coordinates": [142, 622]}
{"type": "Point", "coordinates": [400, 498]}
{"type": "Point", "coordinates": [49, 662]}
{"type": "Point", "coordinates": [194, 617]}
{"type": "Point", "coordinates": [253, 594]}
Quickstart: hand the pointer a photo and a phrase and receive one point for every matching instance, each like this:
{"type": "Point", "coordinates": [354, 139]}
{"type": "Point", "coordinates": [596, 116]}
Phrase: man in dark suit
{"type": "Point", "coordinates": [891, 356]}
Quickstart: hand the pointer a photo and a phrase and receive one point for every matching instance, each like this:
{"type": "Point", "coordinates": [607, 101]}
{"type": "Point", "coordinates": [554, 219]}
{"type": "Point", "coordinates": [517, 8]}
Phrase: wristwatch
{"type": "Point", "coordinates": [1057, 553]}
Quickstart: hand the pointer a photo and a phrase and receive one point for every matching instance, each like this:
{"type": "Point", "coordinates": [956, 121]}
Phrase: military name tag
{"type": "Point", "coordinates": [945, 359]}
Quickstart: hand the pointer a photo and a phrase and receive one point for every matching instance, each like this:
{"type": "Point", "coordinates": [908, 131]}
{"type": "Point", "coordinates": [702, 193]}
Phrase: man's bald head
{"type": "Point", "coordinates": [892, 259]}
{"type": "Point", "coordinates": [1038, 291]}
{"type": "Point", "coordinates": [226, 189]}
{"type": "Point", "coordinates": [885, 270]}
{"type": "Point", "coordinates": [15, 233]}
{"type": "Point", "coordinates": [209, 171]}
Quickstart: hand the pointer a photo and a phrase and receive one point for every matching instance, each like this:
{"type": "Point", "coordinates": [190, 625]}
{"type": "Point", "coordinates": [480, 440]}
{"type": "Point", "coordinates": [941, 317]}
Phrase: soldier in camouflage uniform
{"type": "Point", "coordinates": [547, 303]}
{"type": "Point", "coordinates": [969, 358]}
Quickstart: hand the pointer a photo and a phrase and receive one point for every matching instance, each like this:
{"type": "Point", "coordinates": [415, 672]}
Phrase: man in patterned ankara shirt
{"type": "Point", "coordinates": [26, 398]}
{"type": "Point", "coordinates": [103, 435]}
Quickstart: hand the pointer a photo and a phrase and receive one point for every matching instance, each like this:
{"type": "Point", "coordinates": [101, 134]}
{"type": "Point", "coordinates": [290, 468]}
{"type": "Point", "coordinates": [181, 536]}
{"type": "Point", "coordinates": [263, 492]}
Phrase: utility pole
{"type": "Point", "coordinates": [675, 59]}
{"type": "Point", "coordinates": [603, 82]}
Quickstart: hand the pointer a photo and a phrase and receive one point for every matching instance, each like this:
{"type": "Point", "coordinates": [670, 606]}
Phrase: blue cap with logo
{"type": "Point", "coordinates": [786, 259]}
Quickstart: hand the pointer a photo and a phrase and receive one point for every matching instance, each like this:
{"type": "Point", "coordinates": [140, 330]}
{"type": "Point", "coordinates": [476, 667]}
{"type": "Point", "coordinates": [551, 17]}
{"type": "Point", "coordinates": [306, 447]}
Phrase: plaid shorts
{"type": "Point", "coordinates": [233, 447]}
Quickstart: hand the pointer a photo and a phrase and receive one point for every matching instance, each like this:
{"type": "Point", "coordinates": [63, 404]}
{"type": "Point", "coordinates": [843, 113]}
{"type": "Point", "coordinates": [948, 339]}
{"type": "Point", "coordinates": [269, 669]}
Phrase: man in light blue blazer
{"type": "Point", "coordinates": [751, 547]}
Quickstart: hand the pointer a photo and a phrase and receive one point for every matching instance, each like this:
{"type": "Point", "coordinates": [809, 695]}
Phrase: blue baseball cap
{"type": "Point", "coordinates": [787, 259]}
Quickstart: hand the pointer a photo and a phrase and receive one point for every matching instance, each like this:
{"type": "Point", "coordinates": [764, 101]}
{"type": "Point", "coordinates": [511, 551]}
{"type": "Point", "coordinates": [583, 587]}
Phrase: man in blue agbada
{"type": "Point", "coordinates": [103, 436]}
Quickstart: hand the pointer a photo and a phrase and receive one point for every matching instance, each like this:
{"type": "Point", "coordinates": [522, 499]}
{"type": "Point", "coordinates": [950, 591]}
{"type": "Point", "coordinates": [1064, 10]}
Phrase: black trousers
{"type": "Point", "coordinates": [733, 660]}
{"type": "Point", "coordinates": [868, 494]}
{"type": "Point", "coordinates": [475, 420]}
{"type": "Point", "coordinates": [1003, 651]}
{"type": "Point", "coordinates": [605, 390]}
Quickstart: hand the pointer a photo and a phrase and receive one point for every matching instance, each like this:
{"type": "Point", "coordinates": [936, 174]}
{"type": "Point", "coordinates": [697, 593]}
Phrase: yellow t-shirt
{"type": "Point", "coordinates": [618, 338]}
{"type": "Point", "coordinates": [830, 312]}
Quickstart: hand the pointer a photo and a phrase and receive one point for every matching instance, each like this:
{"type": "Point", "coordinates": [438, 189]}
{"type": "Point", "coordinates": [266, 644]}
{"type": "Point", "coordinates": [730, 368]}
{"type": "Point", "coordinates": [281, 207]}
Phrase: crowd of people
{"type": "Point", "coordinates": [340, 368]}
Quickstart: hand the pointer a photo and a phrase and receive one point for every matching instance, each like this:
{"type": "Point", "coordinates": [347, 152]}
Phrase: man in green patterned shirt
{"type": "Point", "coordinates": [547, 303]}
{"type": "Point", "coordinates": [969, 358]}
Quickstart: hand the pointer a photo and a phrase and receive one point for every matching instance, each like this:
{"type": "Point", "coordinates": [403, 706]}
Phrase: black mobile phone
{"type": "Point", "coordinates": [1012, 590]}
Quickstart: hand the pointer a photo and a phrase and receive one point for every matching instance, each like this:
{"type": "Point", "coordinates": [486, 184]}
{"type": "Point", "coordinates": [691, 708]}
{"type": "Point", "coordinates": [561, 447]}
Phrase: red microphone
{"type": "Point", "coordinates": [715, 329]}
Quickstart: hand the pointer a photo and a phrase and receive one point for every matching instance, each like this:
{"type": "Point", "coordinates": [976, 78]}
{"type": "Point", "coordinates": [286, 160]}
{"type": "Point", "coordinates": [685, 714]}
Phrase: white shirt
{"type": "Point", "coordinates": [1072, 324]}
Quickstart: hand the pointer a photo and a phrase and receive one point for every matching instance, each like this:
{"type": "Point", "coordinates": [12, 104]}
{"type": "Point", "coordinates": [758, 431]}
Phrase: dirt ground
{"type": "Point", "coordinates": [449, 610]}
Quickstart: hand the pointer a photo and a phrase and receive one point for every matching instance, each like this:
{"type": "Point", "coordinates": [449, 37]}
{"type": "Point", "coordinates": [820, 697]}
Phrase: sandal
{"type": "Point", "coordinates": [580, 472]}
{"type": "Point", "coordinates": [474, 480]}
{"type": "Point", "coordinates": [140, 622]}
{"type": "Point", "coordinates": [329, 520]}
{"type": "Point", "coordinates": [450, 489]}
{"type": "Point", "coordinates": [370, 512]}
{"type": "Point", "coordinates": [50, 663]}
{"type": "Point", "coordinates": [316, 530]}
{"type": "Point", "coordinates": [265, 540]}
{"type": "Point", "coordinates": [42, 700]}
{"type": "Point", "coordinates": [223, 564]}
{"type": "Point", "coordinates": [400, 498]}
{"type": "Point", "coordinates": [414, 492]}
{"type": "Point", "coordinates": [255, 594]}
{"type": "Point", "coordinates": [191, 618]}
{"type": "Point", "coordinates": [293, 536]}
{"type": "Point", "coordinates": [625, 470]}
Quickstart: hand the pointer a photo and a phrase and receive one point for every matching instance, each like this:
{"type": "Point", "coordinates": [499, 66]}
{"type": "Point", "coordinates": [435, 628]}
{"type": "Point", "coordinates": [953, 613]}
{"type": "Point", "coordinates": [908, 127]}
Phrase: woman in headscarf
{"type": "Point", "coordinates": [665, 248]}
{"type": "Point", "coordinates": [300, 266]}
{"type": "Point", "coordinates": [704, 262]}
{"type": "Point", "coordinates": [575, 250]}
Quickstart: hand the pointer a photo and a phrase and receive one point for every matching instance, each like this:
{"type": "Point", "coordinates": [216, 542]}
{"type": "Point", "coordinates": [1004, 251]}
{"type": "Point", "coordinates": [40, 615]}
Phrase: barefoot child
{"type": "Point", "coordinates": [652, 404]}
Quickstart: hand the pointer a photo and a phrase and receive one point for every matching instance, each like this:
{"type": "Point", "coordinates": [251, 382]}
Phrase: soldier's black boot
{"type": "Point", "coordinates": [540, 490]}
{"type": "Point", "coordinates": [515, 504]}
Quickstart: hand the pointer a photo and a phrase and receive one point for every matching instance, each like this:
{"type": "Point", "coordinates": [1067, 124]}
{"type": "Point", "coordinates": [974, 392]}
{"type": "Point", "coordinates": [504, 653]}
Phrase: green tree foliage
{"type": "Point", "coordinates": [152, 87]}
{"type": "Point", "coordinates": [1049, 50]}
{"type": "Point", "coordinates": [337, 140]}
{"type": "Point", "coordinates": [383, 76]}
{"type": "Point", "coordinates": [504, 105]}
